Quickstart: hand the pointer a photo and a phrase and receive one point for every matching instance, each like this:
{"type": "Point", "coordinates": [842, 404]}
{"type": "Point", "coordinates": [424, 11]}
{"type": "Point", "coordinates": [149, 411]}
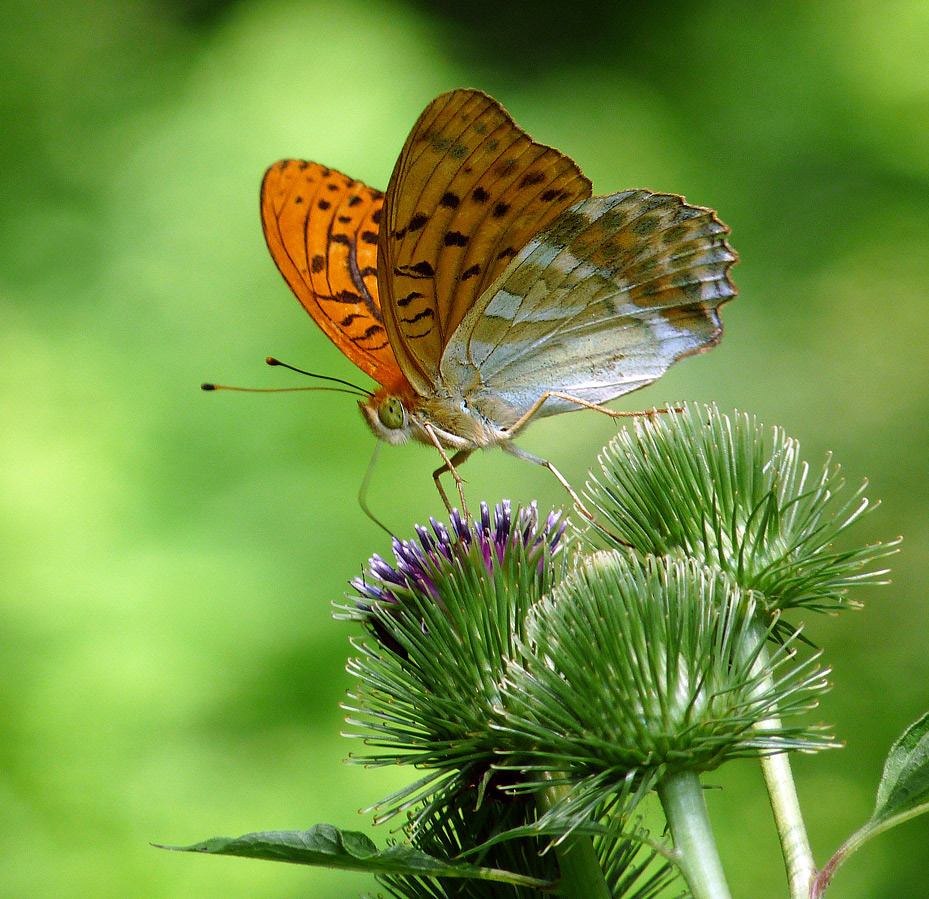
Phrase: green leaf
{"type": "Point", "coordinates": [905, 781]}
{"type": "Point", "coordinates": [327, 846]}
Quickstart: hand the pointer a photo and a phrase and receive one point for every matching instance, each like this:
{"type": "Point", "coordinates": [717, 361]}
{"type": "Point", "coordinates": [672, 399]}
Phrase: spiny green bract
{"type": "Point", "coordinates": [702, 484]}
{"type": "Point", "coordinates": [633, 669]}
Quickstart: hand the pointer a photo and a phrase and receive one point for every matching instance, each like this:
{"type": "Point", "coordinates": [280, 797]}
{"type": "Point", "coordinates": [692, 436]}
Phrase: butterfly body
{"type": "Point", "coordinates": [487, 287]}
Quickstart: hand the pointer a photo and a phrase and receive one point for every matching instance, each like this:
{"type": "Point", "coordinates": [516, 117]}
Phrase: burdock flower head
{"type": "Point", "coordinates": [419, 566]}
{"type": "Point", "coordinates": [723, 490]}
{"type": "Point", "coordinates": [633, 670]}
{"type": "Point", "coordinates": [444, 617]}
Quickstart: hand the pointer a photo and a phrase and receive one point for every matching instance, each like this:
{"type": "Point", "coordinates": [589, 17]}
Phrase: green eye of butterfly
{"type": "Point", "coordinates": [391, 413]}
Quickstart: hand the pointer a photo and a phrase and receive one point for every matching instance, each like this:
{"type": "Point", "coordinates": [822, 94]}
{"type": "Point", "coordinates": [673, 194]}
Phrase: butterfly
{"type": "Point", "coordinates": [487, 287]}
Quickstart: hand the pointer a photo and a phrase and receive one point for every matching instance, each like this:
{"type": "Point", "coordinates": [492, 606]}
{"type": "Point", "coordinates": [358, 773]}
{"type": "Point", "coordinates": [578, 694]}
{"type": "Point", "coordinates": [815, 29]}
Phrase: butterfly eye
{"type": "Point", "coordinates": [391, 413]}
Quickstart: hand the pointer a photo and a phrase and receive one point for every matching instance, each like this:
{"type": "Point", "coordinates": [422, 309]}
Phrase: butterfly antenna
{"type": "Point", "coordinates": [272, 361]}
{"type": "Point", "coordinates": [209, 386]}
{"type": "Point", "coordinates": [363, 492]}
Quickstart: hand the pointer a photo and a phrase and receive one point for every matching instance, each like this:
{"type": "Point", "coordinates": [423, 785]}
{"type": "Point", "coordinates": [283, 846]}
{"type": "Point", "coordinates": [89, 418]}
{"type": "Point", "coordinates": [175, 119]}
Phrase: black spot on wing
{"type": "Point", "coordinates": [418, 221]}
{"type": "Point", "coordinates": [470, 272]}
{"type": "Point", "coordinates": [500, 210]}
{"type": "Point", "coordinates": [369, 332]}
{"type": "Point", "coordinates": [456, 239]}
{"type": "Point", "coordinates": [450, 200]}
{"type": "Point", "coordinates": [419, 270]}
{"type": "Point", "coordinates": [553, 194]}
{"type": "Point", "coordinates": [479, 195]}
{"type": "Point", "coordinates": [318, 263]}
{"type": "Point", "coordinates": [426, 313]}
{"type": "Point", "coordinates": [531, 178]}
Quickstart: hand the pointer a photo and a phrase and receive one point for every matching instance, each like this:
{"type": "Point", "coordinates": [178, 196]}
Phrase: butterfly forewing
{"type": "Point", "coordinates": [321, 228]}
{"type": "Point", "coordinates": [469, 190]}
{"type": "Point", "coordinates": [597, 305]}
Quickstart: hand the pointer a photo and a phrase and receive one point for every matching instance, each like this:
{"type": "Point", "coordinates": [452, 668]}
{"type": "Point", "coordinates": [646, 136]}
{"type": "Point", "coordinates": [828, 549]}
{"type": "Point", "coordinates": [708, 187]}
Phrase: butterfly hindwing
{"type": "Point", "coordinates": [322, 229]}
{"type": "Point", "coordinates": [597, 305]}
{"type": "Point", "coordinates": [468, 192]}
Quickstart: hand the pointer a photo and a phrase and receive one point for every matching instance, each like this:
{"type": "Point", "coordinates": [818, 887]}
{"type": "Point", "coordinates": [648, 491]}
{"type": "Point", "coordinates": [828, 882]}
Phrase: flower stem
{"type": "Point", "coordinates": [681, 798]}
{"type": "Point", "coordinates": [795, 845]}
{"type": "Point", "coordinates": [581, 874]}
{"type": "Point", "coordinates": [782, 793]}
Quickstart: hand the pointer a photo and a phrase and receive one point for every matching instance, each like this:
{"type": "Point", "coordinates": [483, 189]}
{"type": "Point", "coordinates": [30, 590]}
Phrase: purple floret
{"type": "Point", "coordinates": [418, 562]}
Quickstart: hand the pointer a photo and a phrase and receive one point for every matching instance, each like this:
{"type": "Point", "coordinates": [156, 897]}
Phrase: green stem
{"type": "Point", "coordinates": [782, 793]}
{"type": "Point", "coordinates": [581, 874]}
{"type": "Point", "coordinates": [681, 798]}
{"type": "Point", "coordinates": [788, 819]}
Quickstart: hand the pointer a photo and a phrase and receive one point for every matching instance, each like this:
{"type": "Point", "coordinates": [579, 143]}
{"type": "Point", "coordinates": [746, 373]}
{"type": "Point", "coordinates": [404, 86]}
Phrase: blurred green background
{"type": "Point", "coordinates": [171, 671]}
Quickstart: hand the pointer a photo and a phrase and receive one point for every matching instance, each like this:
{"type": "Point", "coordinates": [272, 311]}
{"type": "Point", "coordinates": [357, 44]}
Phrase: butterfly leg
{"type": "Point", "coordinates": [452, 465]}
{"type": "Point", "coordinates": [514, 450]}
{"type": "Point", "coordinates": [449, 466]}
{"type": "Point", "coordinates": [519, 453]}
{"type": "Point", "coordinates": [613, 413]}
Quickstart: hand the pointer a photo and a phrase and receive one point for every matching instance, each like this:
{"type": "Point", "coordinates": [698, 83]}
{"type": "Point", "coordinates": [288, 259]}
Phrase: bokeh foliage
{"type": "Point", "coordinates": [168, 557]}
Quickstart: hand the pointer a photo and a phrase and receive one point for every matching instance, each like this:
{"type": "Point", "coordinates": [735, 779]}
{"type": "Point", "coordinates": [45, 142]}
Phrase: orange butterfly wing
{"type": "Point", "coordinates": [321, 228]}
{"type": "Point", "coordinates": [469, 190]}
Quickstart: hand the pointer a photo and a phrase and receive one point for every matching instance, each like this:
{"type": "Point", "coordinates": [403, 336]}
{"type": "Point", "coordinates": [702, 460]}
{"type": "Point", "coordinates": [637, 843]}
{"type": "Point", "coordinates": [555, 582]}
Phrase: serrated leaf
{"type": "Point", "coordinates": [327, 846]}
{"type": "Point", "coordinates": [905, 781]}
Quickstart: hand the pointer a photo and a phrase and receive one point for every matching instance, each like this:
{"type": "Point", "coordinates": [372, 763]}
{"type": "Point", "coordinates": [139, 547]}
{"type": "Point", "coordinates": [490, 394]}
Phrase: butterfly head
{"type": "Point", "coordinates": [388, 416]}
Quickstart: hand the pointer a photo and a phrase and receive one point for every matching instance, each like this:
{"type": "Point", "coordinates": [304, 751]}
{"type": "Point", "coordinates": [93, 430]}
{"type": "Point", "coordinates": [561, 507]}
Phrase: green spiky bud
{"type": "Point", "coordinates": [720, 489]}
{"type": "Point", "coordinates": [634, 669]}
